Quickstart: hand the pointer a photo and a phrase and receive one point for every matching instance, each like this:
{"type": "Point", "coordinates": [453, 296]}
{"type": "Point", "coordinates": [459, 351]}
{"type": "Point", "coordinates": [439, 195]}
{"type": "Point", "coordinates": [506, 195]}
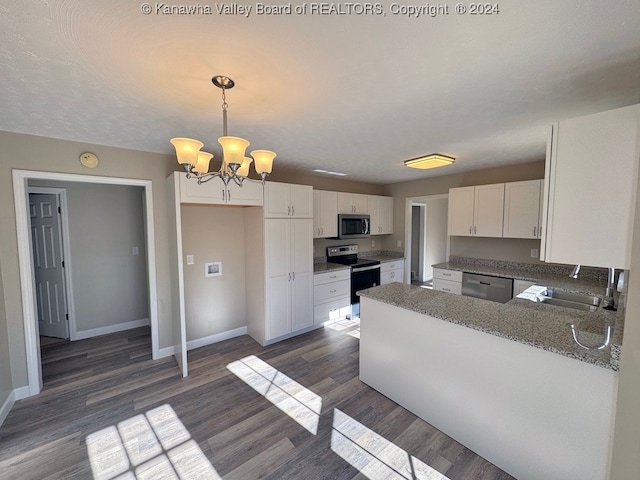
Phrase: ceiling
{"type": "Point", "coordinates": [348, 92]}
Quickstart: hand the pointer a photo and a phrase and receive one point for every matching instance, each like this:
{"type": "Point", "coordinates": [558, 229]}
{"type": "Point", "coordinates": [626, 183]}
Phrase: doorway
{"type": "Point", "coordinates": [426, 239]}
{"type": "Point", "coordinates": [25, 259]}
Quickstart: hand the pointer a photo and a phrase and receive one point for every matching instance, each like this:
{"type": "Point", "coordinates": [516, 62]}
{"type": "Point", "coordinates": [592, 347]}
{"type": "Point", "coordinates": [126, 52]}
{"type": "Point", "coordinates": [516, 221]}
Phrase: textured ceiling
{"type": "Point", "coordinates": [352, 93]}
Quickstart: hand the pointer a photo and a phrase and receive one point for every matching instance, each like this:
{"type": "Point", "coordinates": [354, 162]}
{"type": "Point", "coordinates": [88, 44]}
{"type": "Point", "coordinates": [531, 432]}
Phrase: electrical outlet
{"type": "Point", "coordinates": [135, 251]}
{"type": "Point", "coordinates": [399, 244]}
{"type": "Point", "coordinates": [190, 260]}
{"type": "Point", "coordinates": [534, 253]}
{"type": "Point", "coordinates": [373, 243]}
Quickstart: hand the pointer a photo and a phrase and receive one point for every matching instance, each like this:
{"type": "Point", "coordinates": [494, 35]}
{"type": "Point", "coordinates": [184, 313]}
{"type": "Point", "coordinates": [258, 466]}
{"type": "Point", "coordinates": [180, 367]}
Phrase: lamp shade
{"type": "Point", "coordinates": [263, 160]}
{"type": "Point", "coordinates": [202, 166]}
{"type": "Point", "coordinates": [233, 149]}
{"type": "Point", "coordinates": [187, 150]}
{"type": "Point", "coordinates": [243, 171]}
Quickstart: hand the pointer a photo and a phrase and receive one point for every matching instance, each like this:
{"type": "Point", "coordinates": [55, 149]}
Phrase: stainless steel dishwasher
{"type": "Point", "coordinates": [496, 289]}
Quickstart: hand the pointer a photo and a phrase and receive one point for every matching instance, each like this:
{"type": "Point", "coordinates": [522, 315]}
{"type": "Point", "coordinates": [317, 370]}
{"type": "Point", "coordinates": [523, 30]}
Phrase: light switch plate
{"type": "Point", "coordinates": [399, 244]}
{"type": "Point", "coordinates": [190, 260]}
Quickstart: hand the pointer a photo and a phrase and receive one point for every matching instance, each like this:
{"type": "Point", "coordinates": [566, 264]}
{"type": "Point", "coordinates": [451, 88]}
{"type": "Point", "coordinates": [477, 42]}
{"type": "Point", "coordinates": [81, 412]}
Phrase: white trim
{"type": "Point", "coordinates": [66, 251]}
{"type": "Point", "coordinates": [21, 197]}
{"type": "Point", "coordinates": [407, 230]}
{"type": "Point", "coordinates": [118, 327]}
{"type": "Point", "coordinates": [218, 337]}
{"type": "Point", "coordinates": [204, 341]}
{"type": "Point", "coordinates": [6, 407]}
{"type": "Point", "coordinates": [22, 392]}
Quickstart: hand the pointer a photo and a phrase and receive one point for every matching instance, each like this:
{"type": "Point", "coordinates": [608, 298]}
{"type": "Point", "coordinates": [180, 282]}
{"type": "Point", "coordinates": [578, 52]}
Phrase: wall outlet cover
{"type": "Point", "coordinates": [190, 260]}
{"type": "Point", "coordinates": [399, 244]}
{"type": "Point", "coordinates": [135, 250]}
{"type": "Point", "coordinates": [534, 253]}
{"type": "Point", "coordinates": [373, 243]}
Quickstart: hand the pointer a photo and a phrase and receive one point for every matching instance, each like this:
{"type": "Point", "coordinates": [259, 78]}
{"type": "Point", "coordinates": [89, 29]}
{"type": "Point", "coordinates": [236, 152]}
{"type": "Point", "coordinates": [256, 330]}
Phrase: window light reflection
{"type": "Point", "coordinates": [374, 456]}
{"type": "Point", "coordinates": [150, 446]}
{"type": "Point", "coordinates": [300, 403]}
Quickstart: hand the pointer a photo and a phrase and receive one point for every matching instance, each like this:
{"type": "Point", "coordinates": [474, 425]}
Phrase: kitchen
{"type": "Point", "coordinates": [590, 67]}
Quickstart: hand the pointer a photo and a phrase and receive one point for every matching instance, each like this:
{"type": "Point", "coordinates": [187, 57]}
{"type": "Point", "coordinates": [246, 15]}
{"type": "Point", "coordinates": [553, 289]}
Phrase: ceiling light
{"type": "Point", "coordinates": [340, 174]}
{"type": "Point", "coordinates": [430, 161]}
{"type": "Point", "coordinates": [234, 164]}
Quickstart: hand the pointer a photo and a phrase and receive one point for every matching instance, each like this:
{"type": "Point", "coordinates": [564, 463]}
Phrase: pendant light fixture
{"type": "Point", "coordinates": [234, 163]}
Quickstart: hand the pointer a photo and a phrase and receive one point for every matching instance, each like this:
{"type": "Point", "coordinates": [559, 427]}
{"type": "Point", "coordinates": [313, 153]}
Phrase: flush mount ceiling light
{"type": "Point", "coordinates": [234, 164]}
{"type": "Point", "coordinates": [430, 161]}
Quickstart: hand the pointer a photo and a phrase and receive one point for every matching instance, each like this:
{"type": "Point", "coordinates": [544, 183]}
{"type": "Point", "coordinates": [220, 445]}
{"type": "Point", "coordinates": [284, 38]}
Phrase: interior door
{"type": "Point", "coordinates": [48, 264]}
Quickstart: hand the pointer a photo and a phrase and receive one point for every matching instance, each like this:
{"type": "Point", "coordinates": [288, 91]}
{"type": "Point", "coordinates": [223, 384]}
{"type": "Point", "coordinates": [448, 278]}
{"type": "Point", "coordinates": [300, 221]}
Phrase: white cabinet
{"type": "Point", "coordinates": [325, 214]}
{"type": "Point", "coordinates": [520, 286]}
{"type": "Point", "coordinates": [331, 296]}
{"type": "Point", "coordinates": [289, 276]}
{"type": "Point", "coordinates": [449, 281]}
{"type": "Point", "coordinates": [476, 211]}
{"type": "Point", "coordinates": [591, 177]}
{"type": "Point", "coordinates": [284, 200]}
{"type": "Point", "coordinates": [381, 213]}
{"type": "Point", "coordinates": [392, 272]}
{"type": "Point", "coordinates": [214, 192]}
{"type": "Point", "coordinates": [352, 203]}
{"type": "Point", "coordinates": [522, 209]}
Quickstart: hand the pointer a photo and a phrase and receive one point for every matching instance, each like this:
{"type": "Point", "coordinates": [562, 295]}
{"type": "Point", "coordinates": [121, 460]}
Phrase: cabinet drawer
{"type": "Point", "coordinates": [452, 275]}
{"type": "Point", "coordinates": [330, 291]}
{"type": "Point", "coordinates": [388, 266]}
{"type": "Point", "coordinates": [447, 286]}
{"type": "Point", "coordinates": [335, 276]}
{"type": "Point", "coordinates": [332, 311]}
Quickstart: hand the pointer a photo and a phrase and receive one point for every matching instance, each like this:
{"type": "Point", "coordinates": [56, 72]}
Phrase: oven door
{"type": "Point", "coordinates": [363, 277]}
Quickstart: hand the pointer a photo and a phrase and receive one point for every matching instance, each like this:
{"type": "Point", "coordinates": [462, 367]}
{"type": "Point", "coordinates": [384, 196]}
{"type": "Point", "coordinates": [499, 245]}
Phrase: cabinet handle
{"type": "Point", "coordinates": [289, 210]}
{"type": "Point", "coordinates": [446, 290]}
{"type": "Point", "coordinates": [224, 195]}
{"type": "Point", "coordinates": [289, 276]}
{"type": "Point", "coordinates": [332, 291]}
{"type": "Point", "coordinates": [293, 210]}
{"type": "Point", "coordinates": [446, 274]}
{"type": "Point", "coordinates": [294, 276]}
{"type": "Point", "coordinates": [540, 232]}
{"type": "Point", "coordinates": [228, 195]}
{"type": "Point", "coordinates": [470, 230]}
{"type": "Point", "coordinates": [333, 276]}
{"type": "Point", "coordinates": [475, 230]}
{"type": "Point", "coordinates": [534, 232]}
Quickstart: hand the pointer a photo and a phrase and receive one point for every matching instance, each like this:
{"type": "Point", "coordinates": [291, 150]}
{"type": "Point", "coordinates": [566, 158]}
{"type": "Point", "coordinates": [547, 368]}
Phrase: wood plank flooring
{"type": "Point", "coordinates": [247, 425]}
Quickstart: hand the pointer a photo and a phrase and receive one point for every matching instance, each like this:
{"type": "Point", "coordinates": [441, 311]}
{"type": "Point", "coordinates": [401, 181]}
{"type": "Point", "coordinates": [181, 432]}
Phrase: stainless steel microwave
{"type": "Point", "coordinates": [353, 226]}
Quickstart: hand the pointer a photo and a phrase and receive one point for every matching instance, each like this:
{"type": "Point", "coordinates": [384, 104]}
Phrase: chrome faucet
{"type": "Point", "coordinates": [575, 271]}
{"type": "Point", "coordinates": [607, 302]}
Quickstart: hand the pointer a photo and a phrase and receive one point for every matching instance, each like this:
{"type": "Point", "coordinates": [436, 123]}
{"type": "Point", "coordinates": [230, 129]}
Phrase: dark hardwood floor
{"type": "Point", "coordinates": [293, 410]}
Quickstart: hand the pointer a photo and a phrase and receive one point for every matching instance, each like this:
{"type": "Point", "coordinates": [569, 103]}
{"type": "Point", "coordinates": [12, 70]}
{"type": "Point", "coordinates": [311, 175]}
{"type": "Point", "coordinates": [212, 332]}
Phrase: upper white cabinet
{"type": "Point", "coordinates": [522, 217]}
{"type": "Point", "coordinates": [214, 192]}
{"type": "Point", "coordinates": [381, 212]}
{"type": "Point", "coordinates": [590, 189]}
{"type": "Point", "coordinates": [476, 211]}
{"type": "Point", "coordinates": [325, 214]}
{"type": "Point", "coordinates": [284, 200]}
{"type": "Point", "coordinates": [352, 203]}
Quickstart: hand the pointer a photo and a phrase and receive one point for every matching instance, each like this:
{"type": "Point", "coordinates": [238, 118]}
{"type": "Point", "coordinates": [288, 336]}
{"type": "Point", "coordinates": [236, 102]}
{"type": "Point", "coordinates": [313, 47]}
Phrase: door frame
{"type": "Point", "coordinates": [61, 193]}
{"type": "Point", "coordinates": [25, 260]}
{"type": "Point", "coordinates": [409, 201]}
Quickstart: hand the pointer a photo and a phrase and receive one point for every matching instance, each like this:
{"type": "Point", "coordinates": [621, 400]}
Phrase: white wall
{"type": "Point", "coordinates": [214, 304]}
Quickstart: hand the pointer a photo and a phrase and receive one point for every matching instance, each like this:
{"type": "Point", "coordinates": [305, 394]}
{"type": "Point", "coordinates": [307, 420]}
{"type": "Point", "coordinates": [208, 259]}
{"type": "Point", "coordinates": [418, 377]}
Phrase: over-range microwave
{"type": "Point", "coordinates": [353, 226]}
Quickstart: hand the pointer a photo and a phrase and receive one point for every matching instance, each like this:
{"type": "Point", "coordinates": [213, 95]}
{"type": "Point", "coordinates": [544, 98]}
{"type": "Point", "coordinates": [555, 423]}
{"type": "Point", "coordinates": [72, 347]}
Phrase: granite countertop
{"type": "Point", "coordinates": [536, 324]}
{"type": "Point", "coordinates": [324, 267]}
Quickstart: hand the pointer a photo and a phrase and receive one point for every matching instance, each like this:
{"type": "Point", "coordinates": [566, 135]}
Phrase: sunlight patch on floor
{"type": "Point", "coordinates": [374, 456]}
{"type": "Point", "coordinates": [154, 445]}
{"type": "Point", "coordinates": [350, 326]}
{"type": "Point", "coordinates": [300, 403]}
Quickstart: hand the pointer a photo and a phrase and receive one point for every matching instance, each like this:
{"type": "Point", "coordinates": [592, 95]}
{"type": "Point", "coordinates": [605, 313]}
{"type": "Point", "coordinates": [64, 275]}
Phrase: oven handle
{"type": "Point", "coordinates": [364, 269]}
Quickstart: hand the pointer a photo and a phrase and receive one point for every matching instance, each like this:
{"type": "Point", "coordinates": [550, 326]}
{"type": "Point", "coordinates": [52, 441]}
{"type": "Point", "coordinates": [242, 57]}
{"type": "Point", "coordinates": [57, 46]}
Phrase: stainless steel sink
{"type": "Point", "coordinates": [577, 301]}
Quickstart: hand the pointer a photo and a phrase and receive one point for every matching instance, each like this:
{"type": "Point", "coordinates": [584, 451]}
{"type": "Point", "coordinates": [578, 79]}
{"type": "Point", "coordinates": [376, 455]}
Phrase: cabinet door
{"type": "Point", "coordinates": [592, 189]}
{"type": "Point", "coordinates": [278, 307]}
{"type": "Point", "coordinates": [301, 245]}
{"type": "Point", "coordinates": [461, 211]}
{"type": "Point", "coordinates": [345, 203]}
{"type": "Point", "coordinates": [317, 214]}
{"type": "Point", "coordinates": [360, 203]}
{"type": "Point", "coordinates": [277, 200]}
{"type": "Point", "coordinates": [385, 277]}
{"type": "Point", "coordinates": [329, 214]}
{"type": "Point", "coordinates": [488, 210]}
{"type": "Point", "coordinates": [301, 201]}
{"type": "Point", "coordinates": [386, 215]}
{"type": "Point", "coordinates": [374, 212]}
{"type": "Point", "coordinates": [277, 239]}
{"type": "Point", "coordinates": [302, 301]}
{"type": "Point", "coordinates": [250, 193]}
{"type": "Point", "coordinates": [212, 192]}
{"type": "Point", "coordinates": [522, 209]}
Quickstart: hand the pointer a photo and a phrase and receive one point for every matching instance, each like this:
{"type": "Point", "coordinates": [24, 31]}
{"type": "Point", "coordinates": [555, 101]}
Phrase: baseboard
{"type": "Point", "coordinates": [203, 342]}
{"type": "Point", "coordinates": [6, 407]}
{"type": "Point", "coordinates": [22, 392]}
{"type": "Point", "coordinates": [118, 327]}
{"type": "Point", "coordinates": [218, 337]}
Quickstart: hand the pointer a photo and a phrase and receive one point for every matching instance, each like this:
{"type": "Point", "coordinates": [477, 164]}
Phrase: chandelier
{"type": "Point", "coordinates": [235, 166]}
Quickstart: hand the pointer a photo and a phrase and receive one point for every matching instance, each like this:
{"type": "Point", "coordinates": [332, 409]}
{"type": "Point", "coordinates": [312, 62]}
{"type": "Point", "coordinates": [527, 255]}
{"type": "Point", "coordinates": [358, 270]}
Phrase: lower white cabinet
{"type": "Point", "coordinates": [331, 296]}
{"type": "Point", "coordinates": [392, 272]}
{"type": "Point", "coordinates": [449, 281]}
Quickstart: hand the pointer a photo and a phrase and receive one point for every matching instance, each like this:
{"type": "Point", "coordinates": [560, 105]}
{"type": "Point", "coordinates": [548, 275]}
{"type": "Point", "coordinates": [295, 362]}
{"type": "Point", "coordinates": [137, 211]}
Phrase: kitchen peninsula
{"type": "Point", "coordinates": [506, 380]}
